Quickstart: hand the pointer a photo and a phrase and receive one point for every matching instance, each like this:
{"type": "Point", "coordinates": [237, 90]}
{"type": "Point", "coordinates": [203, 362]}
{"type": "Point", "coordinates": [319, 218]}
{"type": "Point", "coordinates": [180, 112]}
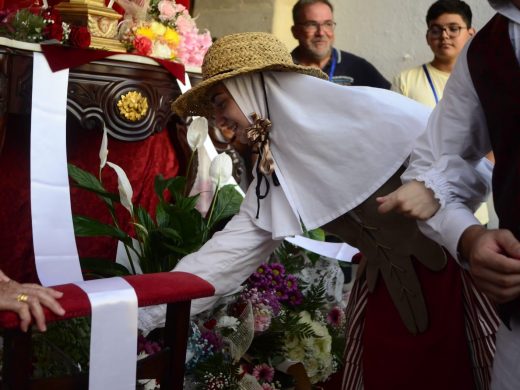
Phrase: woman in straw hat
{"type": "Point", "coordinates": [325, 153]}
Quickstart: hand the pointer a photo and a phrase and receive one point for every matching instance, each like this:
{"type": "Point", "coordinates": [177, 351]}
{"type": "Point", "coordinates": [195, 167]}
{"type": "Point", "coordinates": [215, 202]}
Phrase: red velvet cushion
{"type": "Point", "coordinates": [151, 289]}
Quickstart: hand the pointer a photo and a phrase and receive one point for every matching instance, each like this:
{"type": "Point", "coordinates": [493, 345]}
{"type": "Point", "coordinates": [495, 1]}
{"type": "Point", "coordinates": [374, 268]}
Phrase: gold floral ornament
{"type": "Point", "coordinates": [258, 133]}
{"type": "Point", "coordinates": [133, 106]}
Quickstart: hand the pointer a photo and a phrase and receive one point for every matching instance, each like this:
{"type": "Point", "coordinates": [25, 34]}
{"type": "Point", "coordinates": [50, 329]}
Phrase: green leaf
{"type": "Point", "coordinates": [89, 182]}
{"type": "Point", "coordinates": [177, 186]}
{"type": "Point", "coordinates": [160, 185]}
{"type": "Point", "coordinates": [144, 218]}
{"type": "Point", "coordinates": [316, 234]}
{"type": "Point", "coordinates": [187, 203]}
{"type": "Point", "coordinates": [88, 227]}
{"type": "Point", "coordinates": [227, 204]}
{"type": "Point", "coordinates": [161, 214]}
{"type": "Point", "coordinates": [172, 234]}
{"type": "Point", "coordinates": [103, 267]}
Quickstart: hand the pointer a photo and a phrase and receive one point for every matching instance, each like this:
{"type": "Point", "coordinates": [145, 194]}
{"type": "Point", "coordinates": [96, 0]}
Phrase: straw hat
{"type": "Point", "coordinates": [234, 55]}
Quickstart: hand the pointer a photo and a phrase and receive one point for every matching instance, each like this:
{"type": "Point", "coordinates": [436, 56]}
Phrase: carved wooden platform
{"type": "Point", "coordinates": [94, 92]}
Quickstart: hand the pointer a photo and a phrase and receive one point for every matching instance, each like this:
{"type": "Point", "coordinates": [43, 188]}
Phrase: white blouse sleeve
{"type": "Point", "coordinates": [229, 258]}
{"type": "Point", "coordinates": [449, 158]}
{"type": "Point", "coordinates": [225, 261]}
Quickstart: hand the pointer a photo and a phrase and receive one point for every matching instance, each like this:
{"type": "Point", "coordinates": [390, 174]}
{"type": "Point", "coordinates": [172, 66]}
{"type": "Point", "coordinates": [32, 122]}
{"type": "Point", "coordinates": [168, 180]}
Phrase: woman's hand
{"type": "Point", "coordinates": [412, 200]}
{"type": "Point", "coordinates": [28, 300]}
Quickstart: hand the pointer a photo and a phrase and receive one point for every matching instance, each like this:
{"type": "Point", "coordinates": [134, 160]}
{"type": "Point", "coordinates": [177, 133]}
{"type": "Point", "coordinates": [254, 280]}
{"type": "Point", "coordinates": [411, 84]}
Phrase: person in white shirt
{"type": "Point", "coordinates": [478, 113]}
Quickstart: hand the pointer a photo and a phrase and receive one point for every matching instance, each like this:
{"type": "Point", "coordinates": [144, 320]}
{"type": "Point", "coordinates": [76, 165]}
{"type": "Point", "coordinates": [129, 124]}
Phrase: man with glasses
{"type": "Point", "coordinates": [314, 29]}
{"type": "Point", "coordinates": [449, 28]}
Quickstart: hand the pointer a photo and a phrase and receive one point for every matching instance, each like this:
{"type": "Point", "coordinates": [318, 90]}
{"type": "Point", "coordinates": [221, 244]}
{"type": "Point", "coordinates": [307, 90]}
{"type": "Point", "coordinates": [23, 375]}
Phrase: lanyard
{"type": "Point", "coordinates": [431, 83]}
{"type": "Point", "coordinates": [333, 62]}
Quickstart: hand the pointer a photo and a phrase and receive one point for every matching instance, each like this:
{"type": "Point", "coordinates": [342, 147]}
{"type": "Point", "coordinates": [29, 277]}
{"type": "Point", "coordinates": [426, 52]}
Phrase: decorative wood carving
{"type": "Point", "coordinates": [93, 94]}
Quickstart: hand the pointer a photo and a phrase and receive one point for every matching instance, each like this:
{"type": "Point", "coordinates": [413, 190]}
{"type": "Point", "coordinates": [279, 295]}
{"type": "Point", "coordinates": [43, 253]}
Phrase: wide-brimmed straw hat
{"type": "Point", "coordinates": [234, 55]}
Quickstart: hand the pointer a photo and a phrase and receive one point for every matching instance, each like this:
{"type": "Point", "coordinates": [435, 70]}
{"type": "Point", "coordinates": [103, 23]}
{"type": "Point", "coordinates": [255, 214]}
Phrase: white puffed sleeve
{"type": "Point", "coordinates": [449, 158]}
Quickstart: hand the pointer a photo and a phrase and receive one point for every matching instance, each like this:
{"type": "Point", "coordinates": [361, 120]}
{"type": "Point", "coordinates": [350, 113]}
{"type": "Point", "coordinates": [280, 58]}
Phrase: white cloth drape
{"type": "Point", "coordinates": [332, 146]}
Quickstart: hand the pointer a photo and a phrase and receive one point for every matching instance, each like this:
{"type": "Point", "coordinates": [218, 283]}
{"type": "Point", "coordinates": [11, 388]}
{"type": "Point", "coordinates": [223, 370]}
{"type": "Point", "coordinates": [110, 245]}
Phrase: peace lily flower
{"type": "Point", "coordinates": [124, 187]}
{"type": "Point", "coordinates": [220, 169]}
{"type": "Point", "coordinates": [197, 133]}
{"type": "Point", "coordinates": [103, 151]}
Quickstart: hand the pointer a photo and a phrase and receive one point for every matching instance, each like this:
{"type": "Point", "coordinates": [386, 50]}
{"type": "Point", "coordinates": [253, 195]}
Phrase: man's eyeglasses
{"type": "Point", "coordinates": [312, 26]}
{"type": "Point", "coordinates": [453, 30]}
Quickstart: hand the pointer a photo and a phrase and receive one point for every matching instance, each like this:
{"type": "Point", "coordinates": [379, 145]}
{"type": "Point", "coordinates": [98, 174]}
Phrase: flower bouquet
{"type": "Point", "coordinates": [167, 31]}
{"type": "Point", "coordinates": [280, 319]}
{"type": "Point", "coordinates": [39, 24]}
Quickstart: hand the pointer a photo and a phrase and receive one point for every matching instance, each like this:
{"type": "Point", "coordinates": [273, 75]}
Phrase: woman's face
{"type": "Point", "coordinates": [227, 113]}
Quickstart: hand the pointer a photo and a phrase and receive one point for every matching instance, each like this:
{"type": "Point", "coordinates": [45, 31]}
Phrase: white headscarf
{"type": "Point", "coordinates": [333, 146]}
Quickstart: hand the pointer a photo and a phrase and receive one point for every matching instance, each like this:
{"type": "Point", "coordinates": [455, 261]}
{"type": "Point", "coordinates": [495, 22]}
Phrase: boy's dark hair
{"type": "Point", "coordinates": [449, 7]}
{"type": "Point", "coordinates": [298, 7]}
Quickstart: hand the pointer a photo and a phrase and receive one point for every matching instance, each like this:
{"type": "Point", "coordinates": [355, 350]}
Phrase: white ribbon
{"type": "Point", "coordinates": [113, 346]}
{"type": "Point", "coordinates": [55, 252]}
{"type": "Point", "coordinates": [333, 250]}
{"type": "Point", "coordinates": [184, 87]}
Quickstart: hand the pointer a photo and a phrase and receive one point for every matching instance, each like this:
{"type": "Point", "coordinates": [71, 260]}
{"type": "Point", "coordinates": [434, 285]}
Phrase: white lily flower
{"type": "Point", "coordinates": [197, 132]}
{"type": "Point", "coordinates": [103, 150]}
{"type": "Point", "coordinates": [220, 169]}
{"type": "Point", "coordinates": [124, 187]}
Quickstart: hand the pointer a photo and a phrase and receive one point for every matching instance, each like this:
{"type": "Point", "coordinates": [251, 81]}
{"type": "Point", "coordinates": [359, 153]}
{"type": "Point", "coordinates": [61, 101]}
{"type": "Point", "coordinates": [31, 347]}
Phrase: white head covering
{"type": "Point", "coordinates": [333, 146]}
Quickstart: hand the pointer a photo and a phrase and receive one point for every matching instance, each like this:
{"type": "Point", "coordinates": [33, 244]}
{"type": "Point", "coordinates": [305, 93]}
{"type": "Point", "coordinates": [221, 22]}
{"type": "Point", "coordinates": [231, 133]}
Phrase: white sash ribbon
{"type": "Point", "coordinates": [113, 346]}
{"type": "Point", "coordinates": [113, 339]}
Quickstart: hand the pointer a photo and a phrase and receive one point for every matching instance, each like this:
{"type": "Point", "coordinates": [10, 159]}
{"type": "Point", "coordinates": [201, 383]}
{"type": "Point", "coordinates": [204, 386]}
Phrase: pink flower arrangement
{"type": "Point", "coordinates": [171, 33]}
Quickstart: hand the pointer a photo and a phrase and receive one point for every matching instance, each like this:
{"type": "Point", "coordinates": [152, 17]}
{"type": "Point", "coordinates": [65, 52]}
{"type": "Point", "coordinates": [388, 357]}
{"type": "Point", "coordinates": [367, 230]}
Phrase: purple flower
{"type": "Point", "coordinates": [213, 340]}
{"type": "Point", "coordinates": [277, 270]}
{"type": "Point", "coordinates": [291, 282]}
{"type": "Point", "coordinates": [295, 298]}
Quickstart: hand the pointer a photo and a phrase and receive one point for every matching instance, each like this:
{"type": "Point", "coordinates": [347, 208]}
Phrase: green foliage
{"type": "Point", "coordinates": [315, 298]}
{"type": "Point", "coordinates": [25, 26]}
{"type": "Point", "coordinates": [177, 230]}
{"type": "Point", "coordinates": [268, 344]}
{"type": "Point", "coordinates": [63, 349]}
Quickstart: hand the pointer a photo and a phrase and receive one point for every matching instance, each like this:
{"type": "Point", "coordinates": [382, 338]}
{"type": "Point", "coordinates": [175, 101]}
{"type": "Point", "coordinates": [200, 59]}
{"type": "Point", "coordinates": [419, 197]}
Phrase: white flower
{"type": "Point", "coordinates": [228, 322]}
{"type": "Point", "coordinates": [103, 150]}
{"type": "Point", "coordinates": [124, 187]}
{"type": "Point", "coordinates": [220, 169]}
{"type": "Point", "coordinates": [161, 50]}
{"type": "Point", "coordinates": [197, 132]}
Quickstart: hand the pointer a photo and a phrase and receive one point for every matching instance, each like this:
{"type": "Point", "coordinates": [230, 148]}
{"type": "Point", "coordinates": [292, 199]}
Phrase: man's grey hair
{"type": "Point", "coordinates": [298, 7]}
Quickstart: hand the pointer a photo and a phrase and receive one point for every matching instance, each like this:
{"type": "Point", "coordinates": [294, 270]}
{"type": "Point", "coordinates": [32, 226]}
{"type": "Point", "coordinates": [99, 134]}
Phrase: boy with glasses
{"type": "Point", "coordinates": [449, 28]}
{"type": "Point", "coordinates": [314, 29]}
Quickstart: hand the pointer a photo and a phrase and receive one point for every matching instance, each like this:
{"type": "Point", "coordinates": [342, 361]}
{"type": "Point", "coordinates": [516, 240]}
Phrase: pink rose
{"type": "Point", "coordinates": [166, 9]}
{"type": "Point", "coordinates": [143, 45]}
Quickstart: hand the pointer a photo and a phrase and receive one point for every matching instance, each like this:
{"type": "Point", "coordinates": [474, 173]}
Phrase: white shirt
{"type": "Point", "coordinates": [448, 156]}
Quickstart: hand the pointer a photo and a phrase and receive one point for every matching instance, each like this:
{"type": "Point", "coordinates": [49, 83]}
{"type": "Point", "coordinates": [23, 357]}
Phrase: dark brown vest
{"type": "Point", "coordinates": [495, 73]}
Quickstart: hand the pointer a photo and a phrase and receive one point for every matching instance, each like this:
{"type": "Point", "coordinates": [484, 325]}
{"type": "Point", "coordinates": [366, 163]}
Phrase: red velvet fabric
{"type": "Point", "coordinates": [167, 287]}
{"type": "Point", "coordinates": [141, 160]}
{"type": "Point", "coordinates": [62, 57]}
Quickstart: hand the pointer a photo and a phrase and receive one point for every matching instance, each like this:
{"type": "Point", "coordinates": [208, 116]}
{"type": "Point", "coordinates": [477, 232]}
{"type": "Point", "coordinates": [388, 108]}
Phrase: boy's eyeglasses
{"type": "Point", "coordinates": [453, 30]}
